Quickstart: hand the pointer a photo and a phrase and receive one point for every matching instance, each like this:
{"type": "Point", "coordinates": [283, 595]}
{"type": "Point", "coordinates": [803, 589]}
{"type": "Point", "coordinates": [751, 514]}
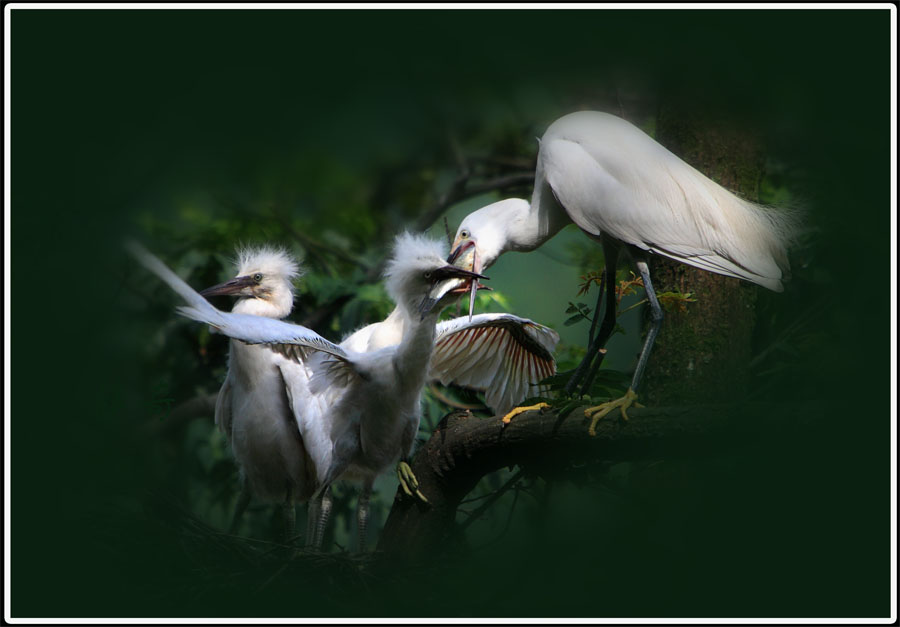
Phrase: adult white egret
{"type": "Point", "coordinates": [379, 365]}
{"type": "Point", "coordinates": [623, 188]}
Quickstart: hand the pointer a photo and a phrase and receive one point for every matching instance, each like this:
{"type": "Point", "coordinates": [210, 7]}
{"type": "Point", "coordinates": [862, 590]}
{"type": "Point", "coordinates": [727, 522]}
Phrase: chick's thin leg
{"type": "Point", "coordinates": [288, 514]}
{"type": "Point", "coordinates": [324, 513]}
{"type": "Point", "coordinates": [312, 518]}
{"type": "Point", "coordinates": [345, 449]}
{"type": "Point", "coordinates": [239, 508]}
{"type": "Point", "coordinates": [362, 515]}
{"type": "Point", "coordinates": [407, 477]}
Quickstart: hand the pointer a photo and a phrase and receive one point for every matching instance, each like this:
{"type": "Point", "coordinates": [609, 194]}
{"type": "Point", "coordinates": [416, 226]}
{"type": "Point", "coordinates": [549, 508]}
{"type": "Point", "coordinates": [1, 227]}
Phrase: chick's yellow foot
{"type": "Point", "coordinates": [408, 481]}
{"type": "Point", "coordinates": [520, 410]}
{"type": "Point", "coordinates": [598, 412]}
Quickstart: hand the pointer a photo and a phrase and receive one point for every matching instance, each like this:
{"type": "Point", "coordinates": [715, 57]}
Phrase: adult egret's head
{"type": "Point", "coordinates": [487, 233]}
{"type": "Point", "coordinates": [419, 279]}
{"type": "Point", "coordinates": [264, 283]}
{"type": "Point", "coordinates": [484, 235]}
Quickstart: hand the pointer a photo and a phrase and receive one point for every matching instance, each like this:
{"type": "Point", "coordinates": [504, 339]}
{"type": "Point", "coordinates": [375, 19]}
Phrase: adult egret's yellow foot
{"type": "Point", "coordinates": [408, 481]}
{"type": "Point", "coordinates": [520, 410]}
{"type": "Point", "coordinates": [599, 411]}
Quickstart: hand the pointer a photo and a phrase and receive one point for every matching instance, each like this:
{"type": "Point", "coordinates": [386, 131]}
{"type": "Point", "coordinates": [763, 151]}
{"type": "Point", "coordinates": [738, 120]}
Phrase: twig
{"type": "Point", "coordinates": [313, 245]}
{"type": "Point", "coordinates": [198, 407]}
{"type": "Point", "coordinates": [448, 401]}
{"type": "Point", "coordinates": [447, 231]}
{"type": "Point", "coordinates": [630, 307]}
{"type": "Point", "coordinates": [458, 191]}
{"type": "Point", "coordinates": [458, 154]}
{"type": "Point", "coordinates": [494, 497]}
{"type": "Point", "coordinates": [507, 162]}
{"type": "Point", "coordinates": [509, 515]}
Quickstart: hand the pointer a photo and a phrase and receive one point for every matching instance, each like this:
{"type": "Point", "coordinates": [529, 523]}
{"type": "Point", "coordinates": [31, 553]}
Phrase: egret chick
{"type": "Point", "coordinates": [501, 354]}
{"type": "Point", "coordinates": [253, 406]}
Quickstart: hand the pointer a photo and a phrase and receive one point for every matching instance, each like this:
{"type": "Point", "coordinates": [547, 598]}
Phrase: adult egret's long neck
{"type": "Point", "coordinates": [544, 218]}
{"type": "Point", "coordinates": [549, 215]}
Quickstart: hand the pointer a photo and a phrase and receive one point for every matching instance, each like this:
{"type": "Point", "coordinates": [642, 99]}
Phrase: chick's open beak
{"type": "Point", "coordinates": [232, 286]}
{"type": "Point", "coordinates": [445, 280]}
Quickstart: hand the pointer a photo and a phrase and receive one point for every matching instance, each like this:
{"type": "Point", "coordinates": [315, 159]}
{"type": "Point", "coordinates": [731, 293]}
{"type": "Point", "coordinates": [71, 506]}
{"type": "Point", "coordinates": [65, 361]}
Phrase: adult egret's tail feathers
{"type": "Point", "coordinates": [746, 239]}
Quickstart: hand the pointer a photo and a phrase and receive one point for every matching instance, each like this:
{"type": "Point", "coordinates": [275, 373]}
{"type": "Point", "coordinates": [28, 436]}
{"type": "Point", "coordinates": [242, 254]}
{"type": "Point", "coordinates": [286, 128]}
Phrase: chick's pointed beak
{"type": "Point", "coordinates": [444, 281]}
{"type": "Point", "coordinates": [232, 286]}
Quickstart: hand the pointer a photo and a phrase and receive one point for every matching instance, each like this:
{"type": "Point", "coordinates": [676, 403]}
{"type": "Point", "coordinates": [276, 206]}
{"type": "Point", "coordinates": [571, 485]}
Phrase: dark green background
{"type": "Point", "coordinates": [117, 112]}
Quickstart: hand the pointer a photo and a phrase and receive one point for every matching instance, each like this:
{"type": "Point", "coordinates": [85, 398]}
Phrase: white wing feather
{"type": "Point", "coordinates": [291, 340]}
{"type": "Point", "coordinates": [501, 354]}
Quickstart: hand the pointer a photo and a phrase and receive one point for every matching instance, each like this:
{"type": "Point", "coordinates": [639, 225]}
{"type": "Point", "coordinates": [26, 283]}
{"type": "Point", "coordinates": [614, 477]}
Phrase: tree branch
{"type": "Point", "coordinates": [463, 449]}
{"type": "Point", "coordinates": [197, 407]}
{"type": "Point", "coordinates": [459, 190]}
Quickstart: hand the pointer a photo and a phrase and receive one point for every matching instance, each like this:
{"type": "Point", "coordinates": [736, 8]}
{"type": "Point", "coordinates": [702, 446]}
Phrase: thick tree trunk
{"type": "Point", "coordinates": [701, 354]}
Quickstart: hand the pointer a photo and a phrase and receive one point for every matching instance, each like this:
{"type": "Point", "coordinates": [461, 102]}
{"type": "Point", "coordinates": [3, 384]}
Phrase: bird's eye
{"type": "Point", "coordinates": [257, 277]}
{"type": "Point", "coordinates": [427, 274]}
{"type": "Point", "coordinates": [464, 234]}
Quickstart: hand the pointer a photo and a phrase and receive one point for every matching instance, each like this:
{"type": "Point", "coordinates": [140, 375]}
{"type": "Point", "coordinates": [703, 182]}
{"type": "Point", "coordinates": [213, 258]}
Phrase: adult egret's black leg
{"type": "Point", "coordinates": [606, 331]}
{"type": "Point", "coordinates": [656, 318]}
{"type": "Point", "coordinates": [594, 342]}
{"type": "Point", "coordinates": [594, 355]}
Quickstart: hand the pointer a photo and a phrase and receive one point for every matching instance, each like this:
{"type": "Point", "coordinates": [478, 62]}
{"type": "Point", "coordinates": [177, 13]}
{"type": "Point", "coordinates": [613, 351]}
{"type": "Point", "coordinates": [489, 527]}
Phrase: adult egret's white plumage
{"type": "Point", "coordinates": [357, 404]}
{"type": "Point", "coordinates": [623, 188]}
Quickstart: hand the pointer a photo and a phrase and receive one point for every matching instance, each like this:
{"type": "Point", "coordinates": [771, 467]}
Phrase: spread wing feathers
{"type": "Point", "coordinates": [291, 340]}
{"type": "Point", "coordinates": [501, 354]}
{"type": "Point", "coordinates": [655, 201]}
{"type": "Point", "coordinates": [190, 295]}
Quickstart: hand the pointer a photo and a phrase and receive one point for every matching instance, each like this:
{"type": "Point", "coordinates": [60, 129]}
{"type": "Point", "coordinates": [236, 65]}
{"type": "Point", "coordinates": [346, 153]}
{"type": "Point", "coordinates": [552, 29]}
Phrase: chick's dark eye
{"type": "Point", "coordinates": [257, 277]}
{"type": "Point", "coordinates": [428, 274]}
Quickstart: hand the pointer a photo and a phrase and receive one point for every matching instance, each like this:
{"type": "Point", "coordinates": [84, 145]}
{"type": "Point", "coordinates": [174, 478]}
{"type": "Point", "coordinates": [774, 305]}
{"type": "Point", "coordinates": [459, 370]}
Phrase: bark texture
{"type": "Point", "coordinates": [701, 354]}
